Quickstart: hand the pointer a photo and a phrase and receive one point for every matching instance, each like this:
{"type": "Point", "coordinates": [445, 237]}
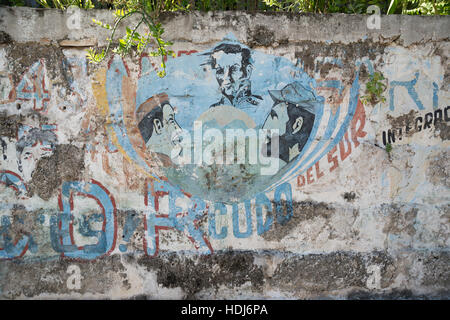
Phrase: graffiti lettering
{"type": "Point", "coordinates": [409, 85]}
{"type": "Point", "coordinates": [430, 120]}
{"type": "Point", "coordinates": [33, 87]}
{"type": "Point", "coordinates": [62, 224]}
{"type": "Point", "coordinates": [184, 221]}
{"type": "Point", "coordinates": [351, 138]}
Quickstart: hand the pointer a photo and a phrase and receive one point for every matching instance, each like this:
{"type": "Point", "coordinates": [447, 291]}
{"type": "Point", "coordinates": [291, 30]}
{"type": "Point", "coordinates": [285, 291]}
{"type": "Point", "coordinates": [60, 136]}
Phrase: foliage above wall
{"type": "Point", "coordinates": [413, 7]}
{"type": "Point", "coordinates": [149, 11]}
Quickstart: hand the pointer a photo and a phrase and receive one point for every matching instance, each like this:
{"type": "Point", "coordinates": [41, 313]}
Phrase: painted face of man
{"type": "Point", "coordinates": [229, 73]}
{"type": "Point", "coordinates": [30, 157]}
{"type": "Point", "coordinates": [173, 128]}
{"type": "Point", "coordinates": [277, 118]}
{"type": "Point", "coordinates": [166, 133]}
{"type": "Point", "coordinates": [288, 121]}
{"type": "Point", "coordinates": [275, 125]}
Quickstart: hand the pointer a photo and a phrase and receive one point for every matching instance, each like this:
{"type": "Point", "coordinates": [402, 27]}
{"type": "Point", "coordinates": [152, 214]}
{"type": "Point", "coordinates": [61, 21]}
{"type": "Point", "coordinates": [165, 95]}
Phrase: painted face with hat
{"type": "Point", "coordinates": [292, 114]}
{"type": "Point", "coordinates": [158, 127]}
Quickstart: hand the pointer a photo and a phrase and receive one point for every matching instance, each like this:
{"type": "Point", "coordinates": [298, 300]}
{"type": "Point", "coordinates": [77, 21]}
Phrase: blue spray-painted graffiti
{"type": "Point", "coordinates": [409, 85]}
{"type": "Point", "coordinates": [183, 221]}
{"type": "Point", "coordinates": [131, 223]}
{"type": "Point", "coordinates": [10, 249]}
{"type": "Point", "coordinates": [61, 225]}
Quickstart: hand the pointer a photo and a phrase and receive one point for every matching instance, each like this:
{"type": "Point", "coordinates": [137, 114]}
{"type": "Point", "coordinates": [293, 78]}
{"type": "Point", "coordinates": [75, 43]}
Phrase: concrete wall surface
{"type": "Point", "coordinates": [256, 168]}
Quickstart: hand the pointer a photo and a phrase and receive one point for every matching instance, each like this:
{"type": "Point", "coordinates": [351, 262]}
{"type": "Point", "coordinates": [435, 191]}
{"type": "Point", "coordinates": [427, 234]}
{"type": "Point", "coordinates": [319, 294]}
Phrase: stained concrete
{"type": "Point", "coordinates": [364, 224]}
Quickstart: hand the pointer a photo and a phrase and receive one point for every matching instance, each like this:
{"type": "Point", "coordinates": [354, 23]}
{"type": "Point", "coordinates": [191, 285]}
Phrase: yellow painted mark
{"type": "Point", "coordinates": [99, 90]}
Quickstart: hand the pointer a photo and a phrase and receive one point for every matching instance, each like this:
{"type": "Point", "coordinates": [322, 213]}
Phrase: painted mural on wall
{"type": "Point", "coordinates": [224, 129]}
{"type": "Point", "coordinates": [245, 122]}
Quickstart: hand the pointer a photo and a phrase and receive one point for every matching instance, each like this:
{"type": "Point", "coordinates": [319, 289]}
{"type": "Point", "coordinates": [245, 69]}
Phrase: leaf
{"type": "Point", "coordinates": [119, 13]}
{"type": "Point", "coordinates": [388, 148]}
{"type": "Point", "coordinates": [393, 6]}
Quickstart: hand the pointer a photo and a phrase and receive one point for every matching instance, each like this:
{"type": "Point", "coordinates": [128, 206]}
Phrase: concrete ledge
{"type": "Point", "coordinates": [21, 23]}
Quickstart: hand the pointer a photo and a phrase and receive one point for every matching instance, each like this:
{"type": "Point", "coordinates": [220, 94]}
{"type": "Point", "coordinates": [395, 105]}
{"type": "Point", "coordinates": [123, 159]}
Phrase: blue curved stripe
{"type": "Point", "coordinates": [332, 122]}
{"type": "Point", "coordinates": [313, 134]}
{"type": "Point", "coordinates": [114, 96]}
{"type": "Point", "coordinates": [354, 91]}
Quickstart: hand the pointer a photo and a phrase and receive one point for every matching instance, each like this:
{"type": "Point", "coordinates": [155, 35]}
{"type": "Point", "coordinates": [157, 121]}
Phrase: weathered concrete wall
{"type": "Point", "coordinates": [101, 198]}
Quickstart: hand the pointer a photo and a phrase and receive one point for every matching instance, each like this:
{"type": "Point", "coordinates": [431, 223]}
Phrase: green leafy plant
{"type": "Point", "coordinates": [148, 11]}
{"type": "Point", "coordinates": [13, 3]}
{"type": "Point", "coordinates": [419, 7]}
{"type": "Point", "coordinates": [64, 4]}
{"type": "Point", "coordinates": [374, 89]}
{"type": "Point", "coordinates": [423, 7]}
{"type": "Point", "coordinates": [388, 148]}
{"type": "Point", "coordinates": [325, 6]}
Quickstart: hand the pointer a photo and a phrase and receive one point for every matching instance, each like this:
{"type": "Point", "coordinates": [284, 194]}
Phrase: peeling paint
{"type": "Point", "coordinates": [112, 185]}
